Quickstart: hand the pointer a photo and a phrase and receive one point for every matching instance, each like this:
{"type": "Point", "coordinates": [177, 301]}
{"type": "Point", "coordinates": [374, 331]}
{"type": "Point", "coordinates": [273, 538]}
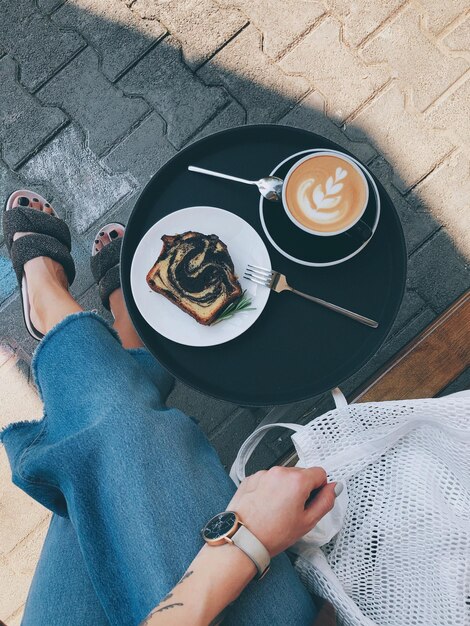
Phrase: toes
{"type": "Point", "coordinates": [21, 201]}
{"type": "Point", "coordinates": [120, 231]}
{"type": "Point", "coordinates": [109, 233]}
{"type": "Point", "coordinates": [33, 202]}
{"type": "Point", "coordinates": [101, 240]}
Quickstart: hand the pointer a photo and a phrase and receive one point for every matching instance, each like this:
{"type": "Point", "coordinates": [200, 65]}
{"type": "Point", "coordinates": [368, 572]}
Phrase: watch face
{"type": "Point", "coordinates": [219, 525]}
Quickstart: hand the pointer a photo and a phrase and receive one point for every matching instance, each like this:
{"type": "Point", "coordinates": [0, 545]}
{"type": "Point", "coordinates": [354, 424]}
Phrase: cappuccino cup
{"type": "Point", "coordinates": [325, 193]}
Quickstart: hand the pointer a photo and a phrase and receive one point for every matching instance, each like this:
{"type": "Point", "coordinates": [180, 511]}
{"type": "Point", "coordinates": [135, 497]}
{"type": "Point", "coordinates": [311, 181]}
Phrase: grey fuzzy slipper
{"type": "Point", "coordinates": [50, 237]}
{"type": "Point", "coordinates": [105, 258]}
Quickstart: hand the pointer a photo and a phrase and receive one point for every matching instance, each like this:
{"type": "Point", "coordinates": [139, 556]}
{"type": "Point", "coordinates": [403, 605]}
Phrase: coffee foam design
{"type": "Point", "coordinates": [318, 204]}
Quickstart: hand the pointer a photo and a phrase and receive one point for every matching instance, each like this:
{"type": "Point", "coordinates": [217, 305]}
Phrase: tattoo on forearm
{"type": "Point", "coordinates": [166, 607]}
{"type": "Point", "coordinates": [187, 575]}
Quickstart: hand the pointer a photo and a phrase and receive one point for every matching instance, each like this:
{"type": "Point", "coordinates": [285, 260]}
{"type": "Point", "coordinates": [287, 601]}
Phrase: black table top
{"type": "Point", "coordinates": [296, 349]}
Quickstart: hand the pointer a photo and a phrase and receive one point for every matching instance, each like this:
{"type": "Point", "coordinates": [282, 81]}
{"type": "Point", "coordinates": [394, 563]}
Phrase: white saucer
{"type": "Point", "coordinates": [341, 258]}
{"type": "Point", "coordinates": [244, 246]}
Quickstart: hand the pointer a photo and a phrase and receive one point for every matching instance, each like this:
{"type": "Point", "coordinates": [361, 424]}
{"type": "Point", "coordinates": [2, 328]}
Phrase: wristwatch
{"type": "Point", "coordinates": [227, 527]}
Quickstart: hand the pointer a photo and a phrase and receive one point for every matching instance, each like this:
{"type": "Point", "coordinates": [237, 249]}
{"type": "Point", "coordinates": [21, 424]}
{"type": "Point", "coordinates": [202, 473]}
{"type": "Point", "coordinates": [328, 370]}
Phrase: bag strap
{"type": "Point", "coordinates": [339, 398]}
{"type": "Point", "coordinates": [238, 469]}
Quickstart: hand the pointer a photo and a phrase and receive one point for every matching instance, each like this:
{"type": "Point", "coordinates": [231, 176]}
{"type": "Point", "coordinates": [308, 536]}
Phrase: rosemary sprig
{"type": "Point", "coordinates": [242, 304]}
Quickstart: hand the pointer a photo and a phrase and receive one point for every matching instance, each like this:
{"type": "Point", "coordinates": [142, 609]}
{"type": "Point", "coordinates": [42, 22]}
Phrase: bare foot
{"type": "Point", "coordinates": [46, 279]}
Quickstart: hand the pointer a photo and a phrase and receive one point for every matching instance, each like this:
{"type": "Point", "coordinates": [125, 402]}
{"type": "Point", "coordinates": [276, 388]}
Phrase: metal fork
{"type": "Point", "coordinates": [278, 282]}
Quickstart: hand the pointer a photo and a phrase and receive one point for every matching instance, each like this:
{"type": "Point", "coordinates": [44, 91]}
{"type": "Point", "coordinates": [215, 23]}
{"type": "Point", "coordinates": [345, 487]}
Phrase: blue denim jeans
{"type": "Point", "coordinates": [130, 483]}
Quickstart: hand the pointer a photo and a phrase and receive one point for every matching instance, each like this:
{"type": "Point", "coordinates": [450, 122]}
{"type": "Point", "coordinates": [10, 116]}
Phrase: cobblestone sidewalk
{"type": "Point", "coordinates": [97, 94]}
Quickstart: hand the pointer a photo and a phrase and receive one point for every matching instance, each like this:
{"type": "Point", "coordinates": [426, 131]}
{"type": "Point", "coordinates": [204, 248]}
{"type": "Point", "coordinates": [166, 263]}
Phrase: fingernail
{"type": "Point", "coordinates": [339, 488]}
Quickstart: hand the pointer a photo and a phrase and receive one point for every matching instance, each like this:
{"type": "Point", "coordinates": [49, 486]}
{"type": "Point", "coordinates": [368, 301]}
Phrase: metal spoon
{"type": "Point", "coordinates": [269, 187]}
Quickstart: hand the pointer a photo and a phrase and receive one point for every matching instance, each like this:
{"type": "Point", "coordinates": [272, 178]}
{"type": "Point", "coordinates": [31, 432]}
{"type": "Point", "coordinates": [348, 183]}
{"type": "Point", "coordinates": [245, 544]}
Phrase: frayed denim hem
{"type": "Point", "coordinates": [70, 319]}
{"type": "Point", "coordinates": [18, 425]}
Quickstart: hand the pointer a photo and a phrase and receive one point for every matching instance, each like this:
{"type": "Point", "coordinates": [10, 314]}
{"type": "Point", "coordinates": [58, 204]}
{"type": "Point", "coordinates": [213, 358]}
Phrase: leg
{"type": "Point", "coordinates": [137, 480]}
{"type": "Point", "coordinates": [61, 592]}
{"type": "Point", "coordinates": [124, 326]}
{"type": "Point", "coordinates": [134, 346]}
{"type": "Point", "coordinates": [122, 322]}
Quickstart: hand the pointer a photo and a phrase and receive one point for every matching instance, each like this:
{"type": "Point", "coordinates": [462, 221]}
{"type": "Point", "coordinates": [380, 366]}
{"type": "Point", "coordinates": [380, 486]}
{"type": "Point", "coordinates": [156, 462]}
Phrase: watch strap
{"type": "Point", "coordinates": [253, 548]}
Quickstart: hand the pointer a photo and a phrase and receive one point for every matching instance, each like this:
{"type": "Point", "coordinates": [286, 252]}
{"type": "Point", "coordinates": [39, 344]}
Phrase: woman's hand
{"type": "Point", "coordinates": [274, 506]}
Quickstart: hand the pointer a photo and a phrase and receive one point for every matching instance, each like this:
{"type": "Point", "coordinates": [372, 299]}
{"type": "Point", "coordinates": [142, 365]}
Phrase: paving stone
{"type": "Point", "coordinates": [459, 38]}
{"type": "Point", "coordinates": [445, 193]}
{"type": "Point", "coordinates": [232, 432]}
{"type": "Point", "coordinates": [438, 272]}
{"type": "Point", "coordinates": [24, 123]}
{"type": "Point", "coordinates": [118, 35]}
{"type": "Point", "coordinates": [19, 513]}
{"type": "Point", "coordinates": [49, 5]}
{"type": "Point", "coordinates": [403, 138]}
{"type": "Point", "coordinates": [92, 101]}
{"type": "Point", "coordinates": [12, 589]}
{"type": "Point", "coordinates": [90, 301]}
{"type": "Point", "coordinates": [142, 152]}
{"type": "Point", "coordinates": [84, 189]}
{"type": "Point", "coordinates": [418, 221]}
{"type": "Point", "coordinates": [359, 19]}
{"type": "Point", "coordinates": [12, 328]}
{"type": "Point", "coordinates": [15, 618]}
{"type": "Point", "coordinates": [22, 561]}
{"type": "Point", "coordinates": [16, 11]}
{"type": "Point", "coordinates": [22, 30]}
{"type": "Point", "coordinates": [202, 26]}
{"type": "Point", "coordinates": [9, 182]}
{"type": "Point", "coordinates": [177, 94]}
{"type": "Point", "coordinates": [209, 411]}
{"type": "Point", "coordinates": [401, 40]}
{"type": "Point", "coordinates": [81, 255]}
{"type": "Point", "coordinates": [119, 213]}
{"type": "Point", "coordinates": [439, 14]}
{"type": "Point", "coordinates": [451, 115]}
{"type": "Point", "coordinates": [281, 23]}
{"type": "Point", "coordinates": [412, 306]}
{"type": "Point", "coordinates": [346, 86]}
{"type": "Point", "coordinates": [7, 356]}
{"type": "Point", "coordinates": [232, 115]}
{"type": "Point", "coordinates": [310, 114]}
{"type": "Point", "coordinates": [250, 76]}
{"type": "Point", "coordinates": [8, 281]}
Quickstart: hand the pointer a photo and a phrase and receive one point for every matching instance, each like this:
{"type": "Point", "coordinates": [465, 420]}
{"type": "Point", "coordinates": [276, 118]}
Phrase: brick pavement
{"type": "Point", "coordinates": [97, 95]}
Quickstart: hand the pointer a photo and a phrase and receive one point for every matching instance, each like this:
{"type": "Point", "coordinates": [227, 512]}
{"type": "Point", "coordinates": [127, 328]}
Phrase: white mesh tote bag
{"type": "Point", "coordinates": [395, 550]}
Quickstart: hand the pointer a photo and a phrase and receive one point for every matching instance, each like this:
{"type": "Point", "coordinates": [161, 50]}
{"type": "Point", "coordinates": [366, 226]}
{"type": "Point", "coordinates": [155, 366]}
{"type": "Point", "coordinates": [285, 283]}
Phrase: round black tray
{"type": "Point", "coordinates": [296, 349]}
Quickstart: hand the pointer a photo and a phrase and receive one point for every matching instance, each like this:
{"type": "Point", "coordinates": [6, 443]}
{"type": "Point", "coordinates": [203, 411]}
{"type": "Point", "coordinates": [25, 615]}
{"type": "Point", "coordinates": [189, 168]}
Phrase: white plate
{"type": "Point", "coordinates": [244, 246]}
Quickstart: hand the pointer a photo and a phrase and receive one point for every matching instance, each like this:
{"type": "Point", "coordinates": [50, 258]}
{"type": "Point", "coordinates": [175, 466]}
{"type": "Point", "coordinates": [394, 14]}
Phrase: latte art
{"type": "Point", "coordinates": [323, 204]}
{"type": "Point", "coordinates": [326, 194]}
